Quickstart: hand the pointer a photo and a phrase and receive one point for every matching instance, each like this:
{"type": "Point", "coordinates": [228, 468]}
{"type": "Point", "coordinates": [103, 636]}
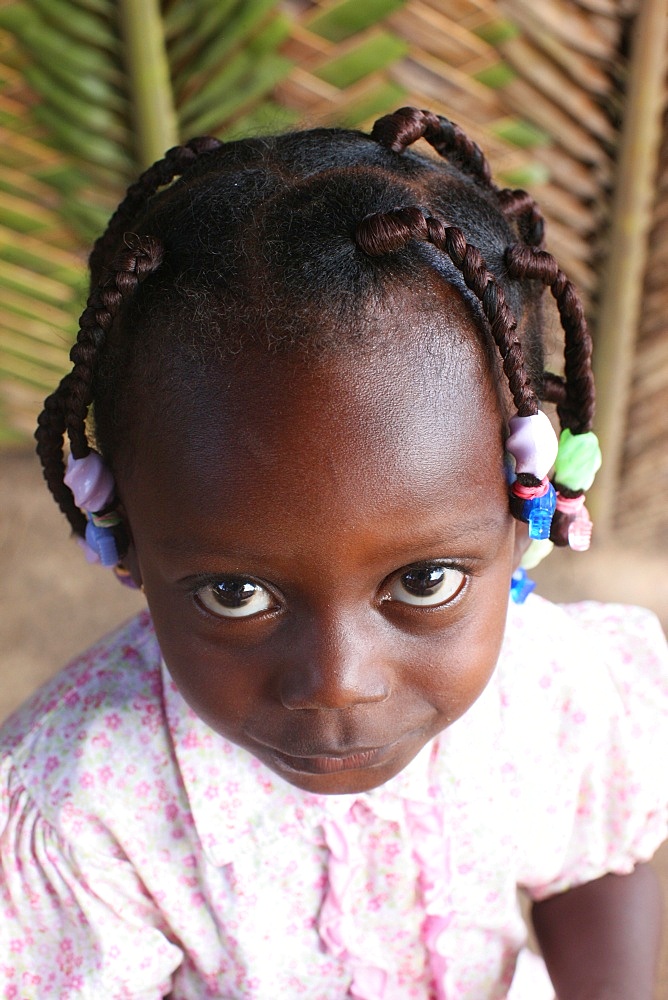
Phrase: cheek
{"type": "Point", "coordinates": [464, 658]}
{"type": "Point", "coordinates": [223, 698]}
{"type": "Point", "coordinates": [216, 683]}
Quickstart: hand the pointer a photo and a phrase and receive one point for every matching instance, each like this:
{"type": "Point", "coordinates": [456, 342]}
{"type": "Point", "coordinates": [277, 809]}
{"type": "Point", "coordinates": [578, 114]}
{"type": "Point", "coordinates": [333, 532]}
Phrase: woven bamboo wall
{"type": "Point", "coordinates": [642, 515]}
{"type": "Point", "coordinates": [531, 83]}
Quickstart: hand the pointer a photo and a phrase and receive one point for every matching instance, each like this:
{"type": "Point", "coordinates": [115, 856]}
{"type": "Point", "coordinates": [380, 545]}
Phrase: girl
{"type": "Point", "coordinates": [325, 762]}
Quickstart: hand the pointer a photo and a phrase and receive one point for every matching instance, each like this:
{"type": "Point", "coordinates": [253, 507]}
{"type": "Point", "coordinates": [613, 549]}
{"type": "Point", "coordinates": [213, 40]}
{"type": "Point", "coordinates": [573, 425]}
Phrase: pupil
{"type": "Point", "coordinates": [233, 593]}
{"type": "Point", "coordinates": [423, 582]}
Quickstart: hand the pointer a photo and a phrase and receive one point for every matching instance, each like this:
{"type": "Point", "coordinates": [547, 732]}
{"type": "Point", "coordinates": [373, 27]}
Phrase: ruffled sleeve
{"type": "Point", "coordinates": [73, 923]}
{"type": "Point", "coordinates": [602, 804]}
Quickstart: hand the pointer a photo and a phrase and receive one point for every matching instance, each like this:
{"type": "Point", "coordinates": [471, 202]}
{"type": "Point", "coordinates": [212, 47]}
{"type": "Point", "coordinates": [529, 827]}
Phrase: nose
{"type": "Point", "coordinates": [335, 665]}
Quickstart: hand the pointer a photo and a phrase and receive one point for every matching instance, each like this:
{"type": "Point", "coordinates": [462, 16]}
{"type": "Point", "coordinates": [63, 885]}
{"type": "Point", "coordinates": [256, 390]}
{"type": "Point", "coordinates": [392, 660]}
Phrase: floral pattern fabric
{"type": "Point", "coordinates": [142, 855]}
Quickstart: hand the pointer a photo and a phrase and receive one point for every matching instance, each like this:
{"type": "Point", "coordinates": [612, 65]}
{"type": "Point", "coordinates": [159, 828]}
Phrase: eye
{"type": "Point", "coordinates": [427, 585]}
{"type": "Point", "coordinates": [232, 597]}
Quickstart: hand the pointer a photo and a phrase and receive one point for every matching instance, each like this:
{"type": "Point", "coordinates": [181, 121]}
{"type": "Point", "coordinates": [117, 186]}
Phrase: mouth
{"type": "Point", "coordinates": [333, 763]}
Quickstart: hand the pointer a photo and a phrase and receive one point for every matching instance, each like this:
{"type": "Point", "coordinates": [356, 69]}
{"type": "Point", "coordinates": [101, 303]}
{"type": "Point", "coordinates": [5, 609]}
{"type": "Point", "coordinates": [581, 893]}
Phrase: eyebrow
{"type": "Point", "coordinates": [471, 531]}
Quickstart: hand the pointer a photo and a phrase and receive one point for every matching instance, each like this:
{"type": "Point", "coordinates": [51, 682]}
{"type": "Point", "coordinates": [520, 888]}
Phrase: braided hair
{"type": "Point", "coordinates": [218, 243]}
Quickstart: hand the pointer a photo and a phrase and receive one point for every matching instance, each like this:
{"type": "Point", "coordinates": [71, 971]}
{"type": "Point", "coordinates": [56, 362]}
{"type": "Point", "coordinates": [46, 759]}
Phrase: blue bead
{"type": "Point", "coordinates": [538, 512]}
{"type": "Point", "coordinates": [521, 586]}
{"type": "Point", "coordinates": [102, 541]}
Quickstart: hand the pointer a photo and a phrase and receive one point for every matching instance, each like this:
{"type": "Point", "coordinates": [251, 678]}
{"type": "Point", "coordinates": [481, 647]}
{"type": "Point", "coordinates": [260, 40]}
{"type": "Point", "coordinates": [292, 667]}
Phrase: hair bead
{"type": "Point", "coordinates": [521, 586]}
{"type": "Point", "coordinates": [533, 444]}
{"type": "Point", "coordinates": [536, 552]}
{"type": "Point", "coordinates": [93, 488]}
{"type": "Point", "coordinates": [90, 480]}
{"type": "Point", "coordinates": [103, 543]}
{"type": "Point", "coordinates": [579, 531]}
{"type": "Point", "coordinates": [578, 460]}
{"type": "Point", "coordinates": [535, 505]}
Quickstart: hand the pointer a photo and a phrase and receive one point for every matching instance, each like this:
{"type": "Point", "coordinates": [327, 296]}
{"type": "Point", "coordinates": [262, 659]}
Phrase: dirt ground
{"type": "Point", "coordinates": [54, 605]}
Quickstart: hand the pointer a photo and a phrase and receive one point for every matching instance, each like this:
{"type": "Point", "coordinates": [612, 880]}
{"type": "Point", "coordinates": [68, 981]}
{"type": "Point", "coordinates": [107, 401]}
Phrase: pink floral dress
{"type": "Point", "coordinates": [143, 855]}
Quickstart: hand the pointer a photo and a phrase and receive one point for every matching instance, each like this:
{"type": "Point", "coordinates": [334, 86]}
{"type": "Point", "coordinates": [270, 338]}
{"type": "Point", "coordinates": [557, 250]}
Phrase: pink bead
{"type": "Point", "coordinates": [533, 444]}
{"type": "Point", "coordinates": [90, 480]}
{"type": "Point", "coordinates": [570, 505]}
{"type": "Point", "coordinates": [579, 531]}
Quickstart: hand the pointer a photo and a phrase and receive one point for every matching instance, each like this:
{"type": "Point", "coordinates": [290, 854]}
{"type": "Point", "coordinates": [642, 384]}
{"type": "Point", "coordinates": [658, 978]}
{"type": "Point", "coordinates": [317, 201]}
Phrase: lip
{"type": "Point", "coordinates": [333, 763]}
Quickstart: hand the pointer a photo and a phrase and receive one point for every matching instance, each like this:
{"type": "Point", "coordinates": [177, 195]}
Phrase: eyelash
{"type": "Point", "coordinates": [386, 592]}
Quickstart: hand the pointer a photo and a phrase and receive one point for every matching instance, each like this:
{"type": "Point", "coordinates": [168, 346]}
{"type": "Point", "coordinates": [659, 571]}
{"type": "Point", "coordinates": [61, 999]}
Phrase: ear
{"type": "Point", "coordinates": [522, 541]}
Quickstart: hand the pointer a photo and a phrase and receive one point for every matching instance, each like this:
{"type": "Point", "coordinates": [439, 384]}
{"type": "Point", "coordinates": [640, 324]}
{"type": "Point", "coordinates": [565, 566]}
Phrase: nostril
{"type": "Point", "coordinates": [320, 686]}
{"type": "Point", "coordinates": [337, 660]}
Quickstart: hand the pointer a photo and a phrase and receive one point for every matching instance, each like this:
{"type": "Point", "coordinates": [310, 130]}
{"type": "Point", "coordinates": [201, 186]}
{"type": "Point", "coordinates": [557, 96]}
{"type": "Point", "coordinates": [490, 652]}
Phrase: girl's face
{"type": "Point", "coordinates": [326, 548]}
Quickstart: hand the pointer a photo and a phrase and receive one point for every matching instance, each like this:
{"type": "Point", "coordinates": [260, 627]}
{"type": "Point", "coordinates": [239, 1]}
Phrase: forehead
{"type": "Point", "coordinates": [374, 428]}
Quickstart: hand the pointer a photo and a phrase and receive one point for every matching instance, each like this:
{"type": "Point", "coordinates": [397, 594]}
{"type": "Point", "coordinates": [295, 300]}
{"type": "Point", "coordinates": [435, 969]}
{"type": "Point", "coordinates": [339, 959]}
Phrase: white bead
{"type": "Point", "coordinates": [533, 444]}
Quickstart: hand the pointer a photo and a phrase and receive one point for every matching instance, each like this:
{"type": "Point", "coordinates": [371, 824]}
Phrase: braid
{"type": "Point", "coordinates": [389, 231]}
{"type": "Point", "coordinates": [66, 409]}
{"type": "Point", "coordinates": [576, 407]}
{"type": "Point", "coordinates": [553, 389]}
{"type": "Point", "coordinates": [143, 254]}
{"type": "Point", "coordinates": [404, 127]}
{"type": "Point", "coordinates": [175, 162]}
{"type": "Point", "coordinates": [49, 436]}
{"type": "Point", "coordinates": [519, 205]}
{"type": "Point", "coordinates": [502, 322]}
{"type": "Point", "coordinates": [574, 394]}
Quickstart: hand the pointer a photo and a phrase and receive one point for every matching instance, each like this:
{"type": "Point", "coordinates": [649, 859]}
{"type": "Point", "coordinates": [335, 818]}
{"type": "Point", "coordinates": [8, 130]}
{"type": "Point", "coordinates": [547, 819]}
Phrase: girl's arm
{"type": "Point", "coordinates": [601, 940]}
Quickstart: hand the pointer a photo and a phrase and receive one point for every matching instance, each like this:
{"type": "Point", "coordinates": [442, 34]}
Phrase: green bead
{"type": "Point", "coordinates": [536, 552]}
{"type": "Point", "coordinates": [578, 460]}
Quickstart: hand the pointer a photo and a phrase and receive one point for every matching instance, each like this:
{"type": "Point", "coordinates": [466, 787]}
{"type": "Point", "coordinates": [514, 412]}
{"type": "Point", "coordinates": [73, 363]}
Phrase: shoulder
{"type": "Point", "coordinates": [97, 718]}
{"type": "Point", "coordinates": [593, 619]}
{"type": "Point", "coordinates": [580, 694]}
{"type": "Point", "coordinates": [584, 696]}
{"type": "Point", "coordinates": [584, 646]}
{"type": "Point", "coordinates": [580, 674]}
{"type": "Point", "coordinates": [584, 690]}
{"type": "Point", "coordinates": [123, 663]}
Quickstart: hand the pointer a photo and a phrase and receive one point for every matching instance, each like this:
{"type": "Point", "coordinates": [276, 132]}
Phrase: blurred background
{"type": "Point", "coordinates": [567, 97]}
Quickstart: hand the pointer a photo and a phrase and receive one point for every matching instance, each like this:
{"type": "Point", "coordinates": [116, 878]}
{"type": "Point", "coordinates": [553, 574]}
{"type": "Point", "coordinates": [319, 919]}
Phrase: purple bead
{"type": "Point", "coordinates": [90, 554]}
{"type": "Point", "coordinates": [125, 578]}
{"type": "Point", "coordinates": [533, 444]}
{"type": "Point", "coordinates": [90, 480]}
